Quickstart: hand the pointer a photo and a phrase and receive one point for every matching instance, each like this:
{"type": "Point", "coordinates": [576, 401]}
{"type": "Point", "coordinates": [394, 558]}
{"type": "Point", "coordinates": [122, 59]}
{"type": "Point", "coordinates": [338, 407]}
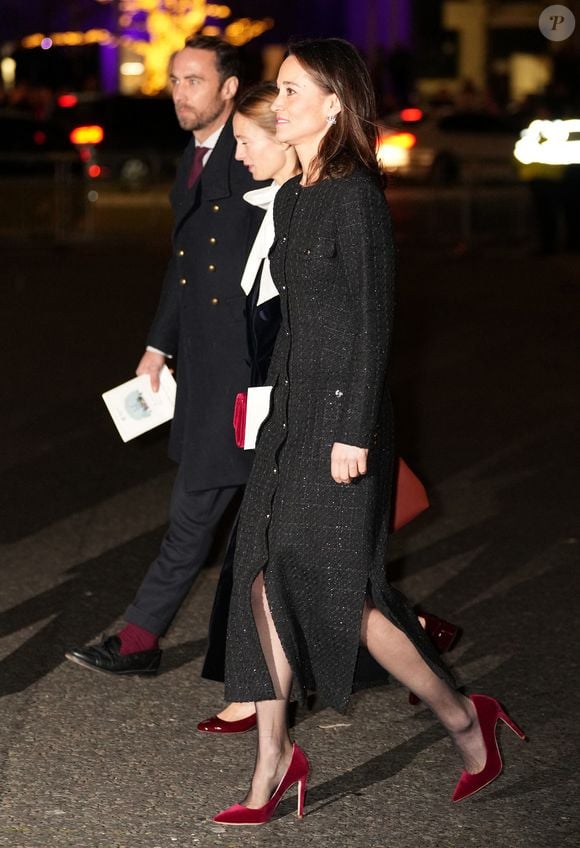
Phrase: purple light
{"type": "Point", "coordinates": [46, 43]}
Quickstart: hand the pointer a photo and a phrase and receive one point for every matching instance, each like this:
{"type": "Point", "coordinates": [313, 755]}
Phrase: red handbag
{"type": "Point", "coordinates": [409, 497]}
{"type": "Point", "coordinates": [240, 407]}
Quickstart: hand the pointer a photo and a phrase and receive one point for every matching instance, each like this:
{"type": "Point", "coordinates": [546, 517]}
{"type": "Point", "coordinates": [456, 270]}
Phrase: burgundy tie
{"type": "Point", "coordinates": [196, 165]}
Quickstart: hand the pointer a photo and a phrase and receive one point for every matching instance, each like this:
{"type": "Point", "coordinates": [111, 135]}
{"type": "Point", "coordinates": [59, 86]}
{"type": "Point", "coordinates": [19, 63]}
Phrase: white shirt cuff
{"type": "Point", "coordinates": [152, 349]}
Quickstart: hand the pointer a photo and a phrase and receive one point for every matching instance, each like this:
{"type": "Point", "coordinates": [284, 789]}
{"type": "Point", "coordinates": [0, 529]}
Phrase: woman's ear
{"type": "Point", "coordinates": [335, 105]}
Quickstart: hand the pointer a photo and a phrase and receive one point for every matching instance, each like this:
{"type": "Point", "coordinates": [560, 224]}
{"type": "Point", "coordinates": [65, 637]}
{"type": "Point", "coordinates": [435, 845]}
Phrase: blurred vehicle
{"type": "Point", "coordinates": [132, 140]}
{"type": "Point", "coordinates": [29, 146]}
{"type": "Point", "coordinates": [469, 146]}
{"type": "Point", "coordinates": [41, 172]}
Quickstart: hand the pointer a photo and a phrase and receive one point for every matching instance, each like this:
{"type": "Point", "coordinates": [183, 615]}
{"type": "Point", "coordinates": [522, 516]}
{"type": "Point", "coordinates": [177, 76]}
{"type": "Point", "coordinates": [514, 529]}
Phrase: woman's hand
{"type": "Point", "coordinates": [347, 462]}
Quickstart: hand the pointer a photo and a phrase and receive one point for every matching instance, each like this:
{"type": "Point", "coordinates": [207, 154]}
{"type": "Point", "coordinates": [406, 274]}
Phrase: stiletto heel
{"type": "Point", "coordinates": [489, 711]}
{"type": "Point", "coordinates": [443, 634]}
{"type": "Point", "coordinates": [301, 798]}
{"type": "Point", "coordinates": [296, 773]}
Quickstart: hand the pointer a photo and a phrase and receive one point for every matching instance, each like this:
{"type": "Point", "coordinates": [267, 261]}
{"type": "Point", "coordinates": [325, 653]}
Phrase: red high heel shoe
{"type": "Point", "coordinates": [297, 772]}
{"type": "Point", "coordinates": [489, 711]}
{"type": "Point", "coordinates": [443, 634]}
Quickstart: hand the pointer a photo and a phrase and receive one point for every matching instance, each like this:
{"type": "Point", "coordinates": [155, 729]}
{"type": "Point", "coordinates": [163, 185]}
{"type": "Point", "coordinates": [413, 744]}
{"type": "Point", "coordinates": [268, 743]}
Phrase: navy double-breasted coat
{"type": "Point", "coordinates": [200, 318]}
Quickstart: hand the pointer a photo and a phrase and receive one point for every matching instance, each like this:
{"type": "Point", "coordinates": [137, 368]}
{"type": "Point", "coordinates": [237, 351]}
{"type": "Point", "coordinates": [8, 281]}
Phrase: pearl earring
{"type": "Point", "coordinates": [331, 119]}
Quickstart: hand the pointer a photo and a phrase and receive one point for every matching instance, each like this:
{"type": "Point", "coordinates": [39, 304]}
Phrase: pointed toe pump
{"type": "Point", "coordinates": [443, 634]}
{"type": "Point", "coordinates": [489, 712]}
{"type": "Point", "coordinates": [296, 773]}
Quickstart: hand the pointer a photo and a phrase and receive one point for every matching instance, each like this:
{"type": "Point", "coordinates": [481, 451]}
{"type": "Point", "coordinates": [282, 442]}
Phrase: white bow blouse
{"type": "Point", "coordinates": [264, 198]}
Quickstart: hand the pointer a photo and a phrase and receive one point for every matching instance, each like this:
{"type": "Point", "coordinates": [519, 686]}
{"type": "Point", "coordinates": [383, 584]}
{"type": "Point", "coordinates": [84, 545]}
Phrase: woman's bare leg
{"type": "Point", "coordinates": [274, 746]}
{"type": "Point", "coordinates": [395, 652]}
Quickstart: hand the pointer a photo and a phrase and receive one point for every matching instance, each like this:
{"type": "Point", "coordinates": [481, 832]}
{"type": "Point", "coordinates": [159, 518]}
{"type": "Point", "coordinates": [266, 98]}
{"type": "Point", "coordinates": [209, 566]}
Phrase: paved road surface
{"type": "Point", "coordinates": [485, 383]}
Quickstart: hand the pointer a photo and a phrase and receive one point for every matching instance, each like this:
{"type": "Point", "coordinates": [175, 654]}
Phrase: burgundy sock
{"type": "Point", "coordinates": [135, 639]}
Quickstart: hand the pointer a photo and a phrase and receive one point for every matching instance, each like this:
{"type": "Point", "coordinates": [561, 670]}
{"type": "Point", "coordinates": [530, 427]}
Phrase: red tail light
{"type": "Point", "coordinates": [411, 115]}
{"type": "Point", "coordinates": [67, 101]}
{"type": "Point", "coordinates": [87, 135]}
{"type": "Point", "coordinates": [94, 171]}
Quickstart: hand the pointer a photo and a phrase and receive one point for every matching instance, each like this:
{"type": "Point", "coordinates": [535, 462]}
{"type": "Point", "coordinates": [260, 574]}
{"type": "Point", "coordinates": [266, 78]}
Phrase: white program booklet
{"type": "Point", "coordinates": [257, 409]}
{"type": "Point", "coordinates": [136, 408]}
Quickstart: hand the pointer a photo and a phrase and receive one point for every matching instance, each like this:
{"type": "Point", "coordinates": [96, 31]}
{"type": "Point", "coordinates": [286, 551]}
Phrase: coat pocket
{"type": "Point", "coordinates": [319, 248]}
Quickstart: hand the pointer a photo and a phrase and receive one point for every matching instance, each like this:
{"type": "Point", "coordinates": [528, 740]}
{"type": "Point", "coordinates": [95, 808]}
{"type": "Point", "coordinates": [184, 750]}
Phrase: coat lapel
{"type": "Point", "coordinates": [214, 182]}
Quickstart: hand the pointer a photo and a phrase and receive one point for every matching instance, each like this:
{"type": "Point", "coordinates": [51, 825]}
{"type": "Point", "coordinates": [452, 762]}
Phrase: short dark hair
{"type": "Point", "coordinates": [227, 57]}
{"type": "Point", "coordinates": [338, 68]}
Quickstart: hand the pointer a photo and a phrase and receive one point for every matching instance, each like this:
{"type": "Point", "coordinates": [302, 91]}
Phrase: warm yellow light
{"type": "Point", "coordinates": [220, 12]}
{"type": "Point", "coordinates": [93, 134]}
{"type": "Point", "coordinates": [243, 30]}
{"type": "Point", "coordinates": [69, 39]}
{"type": "Point", "coordinates": [167, 24]}
{"type": "Point", "coordinates": [132, 69]}
{"type": "Point", "coordinates": [8, 71]}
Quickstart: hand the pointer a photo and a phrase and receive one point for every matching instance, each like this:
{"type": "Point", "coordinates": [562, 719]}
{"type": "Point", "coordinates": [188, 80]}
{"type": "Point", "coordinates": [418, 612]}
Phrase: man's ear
{"type": "Point", "coordinates": [230, 87]}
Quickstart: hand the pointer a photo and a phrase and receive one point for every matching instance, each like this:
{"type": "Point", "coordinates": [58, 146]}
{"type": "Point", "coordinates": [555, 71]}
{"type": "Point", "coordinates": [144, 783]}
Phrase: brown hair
{"type": "Point", "coordinates": [337, 67]}
{"type": "Point", "coordinates": [256, 104]}
{"type": "Point", "coordinates": [227, 57]}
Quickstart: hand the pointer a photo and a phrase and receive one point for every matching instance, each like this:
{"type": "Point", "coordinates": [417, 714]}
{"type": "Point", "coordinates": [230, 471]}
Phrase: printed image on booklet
{"type": "Point", "coordinates": [136, 408]}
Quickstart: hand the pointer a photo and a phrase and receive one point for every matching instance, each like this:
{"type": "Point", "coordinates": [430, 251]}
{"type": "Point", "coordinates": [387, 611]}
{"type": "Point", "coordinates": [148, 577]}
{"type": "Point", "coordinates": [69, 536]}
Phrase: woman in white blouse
{"type": "Point", "coordinates": [267, 159]}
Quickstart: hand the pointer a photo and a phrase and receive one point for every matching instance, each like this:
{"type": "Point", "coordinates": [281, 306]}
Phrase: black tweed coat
{"type": "Point", "coordinates": [322, 545]}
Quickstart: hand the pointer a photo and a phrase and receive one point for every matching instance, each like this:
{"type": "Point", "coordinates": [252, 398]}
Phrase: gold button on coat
{"type": "Point", "coordinates": [181, 252]}
{"type": "Point", "coordinates": [214, 301]}
{"type": "Point", "coordinates": [216, 207]}
{"type": "Point", "coordinates": [182, 281]}
{"type": "Point", "coordinates": [212, 239]}
{"type": "Point", "coordinates": [211, 267]}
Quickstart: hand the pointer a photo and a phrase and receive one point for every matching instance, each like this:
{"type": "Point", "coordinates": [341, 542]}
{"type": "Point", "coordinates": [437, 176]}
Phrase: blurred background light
{"type": "Point", "coordinates": [8, 70]}
{"type": "Point", "coordinates": [132, 69]}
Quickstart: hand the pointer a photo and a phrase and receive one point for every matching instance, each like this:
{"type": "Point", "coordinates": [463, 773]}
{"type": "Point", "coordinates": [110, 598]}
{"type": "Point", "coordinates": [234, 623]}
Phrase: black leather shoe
{"type": "Point", "coordinates": [106, 657]}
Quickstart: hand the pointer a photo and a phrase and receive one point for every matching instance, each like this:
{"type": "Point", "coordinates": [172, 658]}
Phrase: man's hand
{"type": "Point", "coordinates": [151, 363]}
{"type": "Point", "coordinates": [347, 462]}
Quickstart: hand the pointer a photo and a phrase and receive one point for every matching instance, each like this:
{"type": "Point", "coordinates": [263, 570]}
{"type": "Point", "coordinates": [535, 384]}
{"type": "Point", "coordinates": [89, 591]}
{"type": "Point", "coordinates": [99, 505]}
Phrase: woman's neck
{"type": "Point", "coordinates": [290, 169]}
{"type": "Point", "coordinates": [306, 155]}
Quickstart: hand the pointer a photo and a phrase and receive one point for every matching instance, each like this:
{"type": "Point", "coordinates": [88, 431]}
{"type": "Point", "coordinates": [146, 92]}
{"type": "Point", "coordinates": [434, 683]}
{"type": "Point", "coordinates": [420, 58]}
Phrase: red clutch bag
{"type": "Point", "coordinates": [410, 496]}
{"type": "Point", "coordinates": [240, 407]}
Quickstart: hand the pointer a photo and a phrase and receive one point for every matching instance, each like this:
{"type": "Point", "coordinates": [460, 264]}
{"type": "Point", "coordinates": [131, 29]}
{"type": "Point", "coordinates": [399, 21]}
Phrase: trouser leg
{"type": "Point", "coordinates": [215, 658]}
{"type": "Point", "coordinates": [192, 523]}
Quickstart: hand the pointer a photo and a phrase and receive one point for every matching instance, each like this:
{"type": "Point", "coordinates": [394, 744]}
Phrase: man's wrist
{"type": "Point", "coordinates": [152, 349]}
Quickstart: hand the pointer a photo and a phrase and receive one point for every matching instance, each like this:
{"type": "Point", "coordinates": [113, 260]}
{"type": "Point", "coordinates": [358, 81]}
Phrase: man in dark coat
{"type": "Point", "coordinates": [200, 322]}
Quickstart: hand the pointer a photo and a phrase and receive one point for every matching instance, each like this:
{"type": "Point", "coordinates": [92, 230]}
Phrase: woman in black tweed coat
{"type": "Point", "coordinates": [309, 580]}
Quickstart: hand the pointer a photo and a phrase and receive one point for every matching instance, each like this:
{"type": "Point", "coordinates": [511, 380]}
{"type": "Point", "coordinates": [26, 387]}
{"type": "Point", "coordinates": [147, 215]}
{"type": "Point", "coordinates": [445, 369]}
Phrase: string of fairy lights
{"type": "Point", "coordinates": [153, 30]}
